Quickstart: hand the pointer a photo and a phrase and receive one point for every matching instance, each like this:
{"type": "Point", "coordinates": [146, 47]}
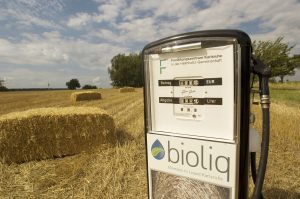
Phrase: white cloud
{"type": "Point", "coordinates": [166, 8]}
{"type": "Point", "coordinates": [107, 34]}
{"type": "Point", "coordinates": [31, 52]}
{"type": "Point", "coordinates": [31, 12]}
{"type": "Point", "coordinates": [144, 21]}
{"type": "Point", "coordinates": [281, 18]}
{"type": "Point", "coordinates": [121, 26]}
{"type": "Point", "coordinates": [36, 7]}
{"type": "Point", "coordinates": [7, 78]}
{"type": "Point", "coordinates": [79, 20]}
{"type": "Point", "coordinates": [97, 80]}
{"type": "Point", "coordinates": [108, 12]}
{"type": "Point", "coordinates": [27, 78]}
{"type": "Point", "coordinates": [51, 48]}
{"type": "Point", "coordinates": [138, 30]}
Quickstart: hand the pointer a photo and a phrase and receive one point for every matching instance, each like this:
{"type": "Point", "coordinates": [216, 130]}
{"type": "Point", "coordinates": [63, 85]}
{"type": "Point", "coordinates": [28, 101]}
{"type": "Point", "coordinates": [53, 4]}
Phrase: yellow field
{"type": "Point", "coordinates": [120, 172]}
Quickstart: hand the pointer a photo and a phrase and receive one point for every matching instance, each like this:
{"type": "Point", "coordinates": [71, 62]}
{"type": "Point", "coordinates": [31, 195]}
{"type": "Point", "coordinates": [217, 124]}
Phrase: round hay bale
{"type": "Point", "coordinates": [53, 132]}
{"type": "Point", "coordinates": [85, 95]}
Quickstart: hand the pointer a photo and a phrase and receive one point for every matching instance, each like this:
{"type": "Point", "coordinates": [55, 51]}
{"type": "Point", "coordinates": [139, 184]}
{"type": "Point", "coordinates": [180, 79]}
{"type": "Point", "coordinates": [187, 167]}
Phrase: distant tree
{"type": "Point", "coordinates": [2, 87]}
{"type": "Point", "coordinates": [272, 80]}
{"type": "Point", "coordinates": [87, 86]}
{"type": "Point", "coordinates": [297, 56]}
{"type": "Point", "coordinates": [276, 54]}
{"type": "Point", "coordinates": [73, 84]}
{"type": "Point", "coordinates": [126, 70]}
{"type": "Point", "coordinates": [296, 60]}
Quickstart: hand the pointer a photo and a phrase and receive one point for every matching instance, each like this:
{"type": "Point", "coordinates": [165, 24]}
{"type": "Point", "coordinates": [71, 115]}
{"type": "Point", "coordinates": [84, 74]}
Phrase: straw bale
{"type": "Point", "coordinates": [167, 186]}
{"type": "Point", "coordinates": [53, 132]}
{"type": "Point", "coordinates": [85, 95]}
{"type": "Point", "coordinates": [127, 89]}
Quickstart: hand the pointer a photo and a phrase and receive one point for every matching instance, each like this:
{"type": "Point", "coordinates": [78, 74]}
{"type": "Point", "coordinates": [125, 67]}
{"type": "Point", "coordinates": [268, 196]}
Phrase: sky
{"type": "Point", "coordinates": [53, 41]}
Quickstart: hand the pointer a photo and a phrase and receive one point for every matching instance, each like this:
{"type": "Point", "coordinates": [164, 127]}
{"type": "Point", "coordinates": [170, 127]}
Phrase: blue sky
{"type": "Point", "coordinates": [53, 41]}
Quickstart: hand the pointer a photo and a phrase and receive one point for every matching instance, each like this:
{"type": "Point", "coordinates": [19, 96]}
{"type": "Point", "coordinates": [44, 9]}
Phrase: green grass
{"type": "Point", "coordinates": [287, 97]}
{"type": "Point", "coordinates": [286, 85]}
{"type": "Point", "coordinates": [287, 93]}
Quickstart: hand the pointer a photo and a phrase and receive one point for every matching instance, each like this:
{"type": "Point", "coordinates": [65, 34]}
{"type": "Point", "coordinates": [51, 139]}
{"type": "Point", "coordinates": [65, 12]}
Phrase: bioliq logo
{"type": "Point", "coordinates": [157, 150]}
{"type": "Point", "coordinates": [205, 158]}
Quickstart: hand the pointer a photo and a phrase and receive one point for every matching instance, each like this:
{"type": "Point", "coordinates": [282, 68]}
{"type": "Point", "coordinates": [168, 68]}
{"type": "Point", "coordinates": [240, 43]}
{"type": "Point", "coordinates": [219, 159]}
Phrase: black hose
{"type": "Point", "coordinates": [264, 72]}
{"type": "Point", "coordinates": [253, 166]}
{"type": "Point", "coordinates": [253, 169]}
{"type": "Point", "coordinates": [264, 155]}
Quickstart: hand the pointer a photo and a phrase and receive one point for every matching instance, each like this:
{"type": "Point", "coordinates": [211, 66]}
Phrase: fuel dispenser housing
{"type": "Point", "coordinates": [197, 101]}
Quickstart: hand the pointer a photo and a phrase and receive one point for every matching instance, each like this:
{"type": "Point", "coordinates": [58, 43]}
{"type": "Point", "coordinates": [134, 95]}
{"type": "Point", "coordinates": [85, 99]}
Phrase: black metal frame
{"type": "Point", "coordinates": [246, 51]}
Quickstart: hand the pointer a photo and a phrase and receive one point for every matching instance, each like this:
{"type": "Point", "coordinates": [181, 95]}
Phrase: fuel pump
{"type": "Point", "coordinates": [197, 107]}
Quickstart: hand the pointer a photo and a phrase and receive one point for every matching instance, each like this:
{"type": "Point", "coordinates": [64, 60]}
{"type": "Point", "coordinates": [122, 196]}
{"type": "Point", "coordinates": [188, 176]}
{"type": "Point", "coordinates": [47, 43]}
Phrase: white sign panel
{"type": "Point", "coordinates": [190, 168]}
{"type": "Point", "coordinates": [192, 92]}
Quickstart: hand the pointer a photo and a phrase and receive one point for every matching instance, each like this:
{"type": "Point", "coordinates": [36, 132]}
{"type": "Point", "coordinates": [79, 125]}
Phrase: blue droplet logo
{"type": "Point", "coordinates": [157, 150]}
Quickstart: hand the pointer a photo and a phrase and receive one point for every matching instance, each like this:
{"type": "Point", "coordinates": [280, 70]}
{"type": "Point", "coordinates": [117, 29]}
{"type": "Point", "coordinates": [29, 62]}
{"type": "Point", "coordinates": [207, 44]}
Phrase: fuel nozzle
{"type": "Point", "coordinates": [264, 73]}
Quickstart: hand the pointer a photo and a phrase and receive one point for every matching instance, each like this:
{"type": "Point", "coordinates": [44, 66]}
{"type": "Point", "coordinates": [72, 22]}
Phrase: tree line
{"type": "Point", "coordinates": [2, 87]}
{"type": "Point", "coordinates": [74, 83]}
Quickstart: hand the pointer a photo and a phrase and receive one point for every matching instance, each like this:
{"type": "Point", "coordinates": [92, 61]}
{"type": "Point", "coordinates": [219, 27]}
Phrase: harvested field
{"type": "Point", "coordinates": [107, 172]}
{"type": "Point", "coordinates": [283, 172]}
{"type": "Point", "coordinates": [127, 89]}
{"type": "Point", "coordinates": [111, 172]}
{"type": "Point", "coordinates": [53, 132]}
{"type": "Point", "coordinates": [85, 96]}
